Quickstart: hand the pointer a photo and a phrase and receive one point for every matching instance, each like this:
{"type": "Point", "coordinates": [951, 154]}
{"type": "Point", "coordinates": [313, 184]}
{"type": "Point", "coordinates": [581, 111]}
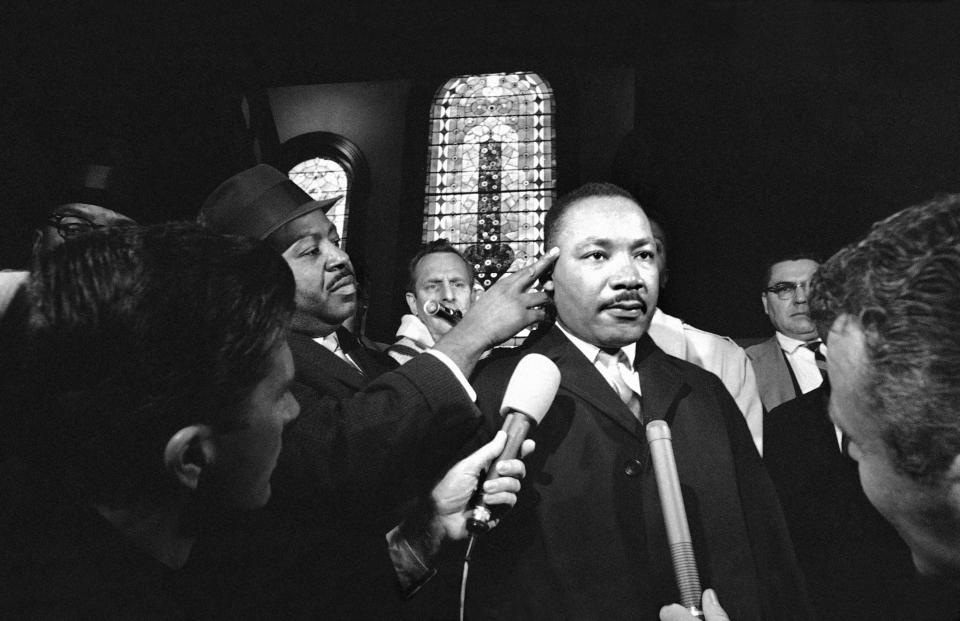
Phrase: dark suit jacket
{"type": "Point", "coordinates": [586, 539]}
{"type": "Point", "coordinates": [774, 380]}
{"type": "Point", "coordinates": [856, 566]}
{"type": "Point", "coordinates": [318, 550]}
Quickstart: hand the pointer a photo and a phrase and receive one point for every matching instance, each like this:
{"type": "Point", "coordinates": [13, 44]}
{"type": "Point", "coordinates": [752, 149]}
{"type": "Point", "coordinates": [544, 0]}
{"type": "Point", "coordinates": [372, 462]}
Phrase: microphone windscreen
{"type": "Point", "coordinates": [532, 387]}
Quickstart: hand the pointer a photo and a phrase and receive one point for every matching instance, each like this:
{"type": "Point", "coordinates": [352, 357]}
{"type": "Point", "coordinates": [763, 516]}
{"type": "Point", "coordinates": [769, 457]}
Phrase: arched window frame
{"type": "Point", "coordinates": [350, 158]}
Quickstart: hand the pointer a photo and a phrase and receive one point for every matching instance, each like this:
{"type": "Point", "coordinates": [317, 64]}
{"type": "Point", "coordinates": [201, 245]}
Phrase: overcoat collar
{"type": "Point", "coordinates": [660, 383]}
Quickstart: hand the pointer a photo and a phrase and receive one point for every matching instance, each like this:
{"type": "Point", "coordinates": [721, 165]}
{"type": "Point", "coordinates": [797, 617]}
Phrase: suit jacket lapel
{"type": "Point", "coordinates": [581, 378]}
{"type": "Point", "coordinates": [365, 358]}
{"type": "Point", "coordinates": [322, 362]}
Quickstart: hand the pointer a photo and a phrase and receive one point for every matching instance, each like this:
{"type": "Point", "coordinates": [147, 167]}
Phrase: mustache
{"type": "Point", "coordinates": [346, 272]}
{"type": "Point", "coordinates": [629, 295]}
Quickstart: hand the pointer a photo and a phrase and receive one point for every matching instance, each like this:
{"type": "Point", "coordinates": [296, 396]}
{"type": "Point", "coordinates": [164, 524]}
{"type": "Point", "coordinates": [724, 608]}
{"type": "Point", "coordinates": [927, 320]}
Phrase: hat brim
{"type": "Point", "coordinates": [323, 205]}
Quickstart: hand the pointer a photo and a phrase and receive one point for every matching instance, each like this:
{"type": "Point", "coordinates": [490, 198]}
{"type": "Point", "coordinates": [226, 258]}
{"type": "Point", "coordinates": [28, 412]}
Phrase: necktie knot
{"type": "Point", "coordinates": [610, 361]}
{"type": "Point", "coordinates": [610, 358]}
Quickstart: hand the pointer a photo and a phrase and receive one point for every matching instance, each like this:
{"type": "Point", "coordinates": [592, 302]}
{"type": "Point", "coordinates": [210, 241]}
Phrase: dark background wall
{"type": "Point", "coordinates": [752, 126]}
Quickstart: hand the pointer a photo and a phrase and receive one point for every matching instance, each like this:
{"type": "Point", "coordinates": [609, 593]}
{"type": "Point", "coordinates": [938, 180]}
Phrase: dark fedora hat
{"type": "Point", "coordinates": [257, 202]}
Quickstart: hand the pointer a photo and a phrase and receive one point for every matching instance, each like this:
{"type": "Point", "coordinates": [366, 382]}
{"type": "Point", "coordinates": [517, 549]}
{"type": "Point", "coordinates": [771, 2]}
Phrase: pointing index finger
{"type": "Point", "coordinates": [540, 266]}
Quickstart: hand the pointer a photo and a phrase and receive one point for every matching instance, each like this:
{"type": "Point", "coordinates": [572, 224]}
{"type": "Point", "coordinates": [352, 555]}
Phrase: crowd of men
{"type": "Point", "coordinates": [191, 430]}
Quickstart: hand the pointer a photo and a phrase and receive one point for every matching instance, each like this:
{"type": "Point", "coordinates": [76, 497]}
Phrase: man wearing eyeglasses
{"type": "Point", "coordinates": [91, 201]}
{"type": "Point", "coordinates": [786, 363]}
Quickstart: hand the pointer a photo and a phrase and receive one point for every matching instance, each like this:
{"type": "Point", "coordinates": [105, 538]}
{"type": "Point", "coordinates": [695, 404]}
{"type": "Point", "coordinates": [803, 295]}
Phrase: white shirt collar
{"type": "Point", "coordinates": [412, 328]}
{"type": "Point", "coordinates": [590, 351]}
{"type": "Point", "coordinates": [789, 344]}
{"type": "Point", "coordinates": [329, 341]}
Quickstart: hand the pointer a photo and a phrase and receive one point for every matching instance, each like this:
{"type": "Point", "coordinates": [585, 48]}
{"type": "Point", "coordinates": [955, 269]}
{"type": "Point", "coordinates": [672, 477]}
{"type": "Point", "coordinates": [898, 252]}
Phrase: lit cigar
{"type": "Point", "coordinates": [436, 309]}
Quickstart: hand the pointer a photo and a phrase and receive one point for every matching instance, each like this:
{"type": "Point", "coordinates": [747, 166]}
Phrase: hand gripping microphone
{"type": "Point", "coordinates": [675, 516]}
{"type": "Point", "coordinates": [529, 395]}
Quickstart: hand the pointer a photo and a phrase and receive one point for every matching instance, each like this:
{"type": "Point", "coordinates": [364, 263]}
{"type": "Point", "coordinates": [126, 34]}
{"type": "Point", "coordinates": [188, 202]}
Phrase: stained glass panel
{"type": "Point", "coordinates": [491, 172]}
{"type": "Point", "coordinates": [323, 178]}
{"type": "Point", "coordinates": [491, 169]}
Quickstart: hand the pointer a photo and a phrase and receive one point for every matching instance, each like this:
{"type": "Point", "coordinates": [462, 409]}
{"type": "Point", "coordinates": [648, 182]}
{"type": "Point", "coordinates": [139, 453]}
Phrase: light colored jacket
{"type": "Point", "coordinates": [719, 355]}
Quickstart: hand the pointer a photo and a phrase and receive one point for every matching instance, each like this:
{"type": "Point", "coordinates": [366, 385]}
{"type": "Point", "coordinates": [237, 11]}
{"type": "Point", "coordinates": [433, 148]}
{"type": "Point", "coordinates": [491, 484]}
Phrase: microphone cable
{"type": "Point", "coordinates": [466, 569]}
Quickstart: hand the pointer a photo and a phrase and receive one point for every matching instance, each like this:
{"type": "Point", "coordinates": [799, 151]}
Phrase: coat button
{"type": "Point", "coordinates": [632, 468]}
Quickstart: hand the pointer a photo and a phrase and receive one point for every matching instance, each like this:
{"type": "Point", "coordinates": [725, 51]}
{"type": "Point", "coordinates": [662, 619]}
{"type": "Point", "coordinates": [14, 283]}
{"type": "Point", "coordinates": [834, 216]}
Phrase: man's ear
{"type": "Point", "coordinates": [412, 303]}
{"type": "Point", "coordinates": [188, 452]}
{"type": "Point", "coordinates": [763, 300]}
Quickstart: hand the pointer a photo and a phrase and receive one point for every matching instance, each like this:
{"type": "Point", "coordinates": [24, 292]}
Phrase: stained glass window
{"type": "Point", "coordinates": [491, 172]}
{"type": "Point", "coordinates": [322, 178]}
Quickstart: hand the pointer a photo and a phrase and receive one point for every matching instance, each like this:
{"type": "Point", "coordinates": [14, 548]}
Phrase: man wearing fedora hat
{"type": "Point", "coordinates": [366, 439]}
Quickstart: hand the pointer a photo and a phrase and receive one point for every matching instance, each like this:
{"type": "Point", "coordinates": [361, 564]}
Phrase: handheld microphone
{"type": "Point", "coordinates": [529, 395]}
{"type": "Point", "coordinates": [675, 516]}
{"type": "Point", "coordinates": [436, 309]}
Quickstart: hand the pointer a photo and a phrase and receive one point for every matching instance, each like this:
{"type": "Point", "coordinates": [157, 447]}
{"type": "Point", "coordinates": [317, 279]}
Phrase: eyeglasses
{"type": "Point", "coordinates": [786, 290]}
{"type": "Point", "coordinates": [70, 225]}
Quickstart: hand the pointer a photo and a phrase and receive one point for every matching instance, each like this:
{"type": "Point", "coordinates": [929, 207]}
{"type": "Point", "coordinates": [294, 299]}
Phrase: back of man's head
{"type": "Point", "coordinates": [134, 333]}
{"type": "Point", "coordinates": [902, 284]}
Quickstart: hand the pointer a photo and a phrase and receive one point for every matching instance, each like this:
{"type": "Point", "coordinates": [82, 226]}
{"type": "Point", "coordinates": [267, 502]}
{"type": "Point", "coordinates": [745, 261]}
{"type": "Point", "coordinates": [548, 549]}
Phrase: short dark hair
{"type": "Point", "coordinates": [551, 223]}
{"type": "Point", "coordinates": [134, 333]}
{"type": "Point", "coordinates": [902, 283]}
{"type": "Point", "coordinates": [780, 256]}
{"type": "Point", "coordinates": [436, 246]}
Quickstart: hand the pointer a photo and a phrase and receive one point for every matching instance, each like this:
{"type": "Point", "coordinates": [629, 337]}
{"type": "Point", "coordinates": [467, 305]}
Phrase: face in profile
{"type": "Point", "coordinates": [606, 278]}
{"type": "Point", "coordinates": [444, 278]}
{"type": "Point", "coordinates": [921, 511]}
{"type": "Point", "coordinates": [791, 315]}
{"type": "Point", "coordinates": [74, 219]}
{"type": "Point", "coordinates": [326, 285]}
{"type": "Point", "coordinates": [245, 458]}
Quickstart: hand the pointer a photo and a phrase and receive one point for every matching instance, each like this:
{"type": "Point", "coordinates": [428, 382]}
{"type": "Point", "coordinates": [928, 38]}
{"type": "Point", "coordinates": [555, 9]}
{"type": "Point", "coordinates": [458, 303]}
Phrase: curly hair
{"type": "Point", "coordinates": [902, 283]}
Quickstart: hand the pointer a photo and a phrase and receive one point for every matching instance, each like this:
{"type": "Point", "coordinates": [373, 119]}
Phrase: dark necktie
{"type": "Point", "coordinates": [820, 359]}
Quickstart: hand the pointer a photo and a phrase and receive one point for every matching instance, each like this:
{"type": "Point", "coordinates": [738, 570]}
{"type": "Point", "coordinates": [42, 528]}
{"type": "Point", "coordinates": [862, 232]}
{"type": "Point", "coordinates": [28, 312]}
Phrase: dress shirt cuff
{"type": "Point", "coordinates": [412, 571]}
{"type": "Point", "coordinates": [442, 357]}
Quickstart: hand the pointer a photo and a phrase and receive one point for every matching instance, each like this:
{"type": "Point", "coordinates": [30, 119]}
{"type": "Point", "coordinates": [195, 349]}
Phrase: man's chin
{"type": "Point", "coordinates": [620, 336]}
{"type": "Point", "coordinates": [342, 313]}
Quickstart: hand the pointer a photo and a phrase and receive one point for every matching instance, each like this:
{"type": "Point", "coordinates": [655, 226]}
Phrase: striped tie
{"type": "Point", "coordinates": [609, 364]}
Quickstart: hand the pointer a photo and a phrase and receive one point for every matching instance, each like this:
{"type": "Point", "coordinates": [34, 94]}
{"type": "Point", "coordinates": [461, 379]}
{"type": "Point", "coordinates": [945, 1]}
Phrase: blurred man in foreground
{"type": "Point", "coordinates": [146, 385]}
{"type": "Point", "coordinates": [889, 307]}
